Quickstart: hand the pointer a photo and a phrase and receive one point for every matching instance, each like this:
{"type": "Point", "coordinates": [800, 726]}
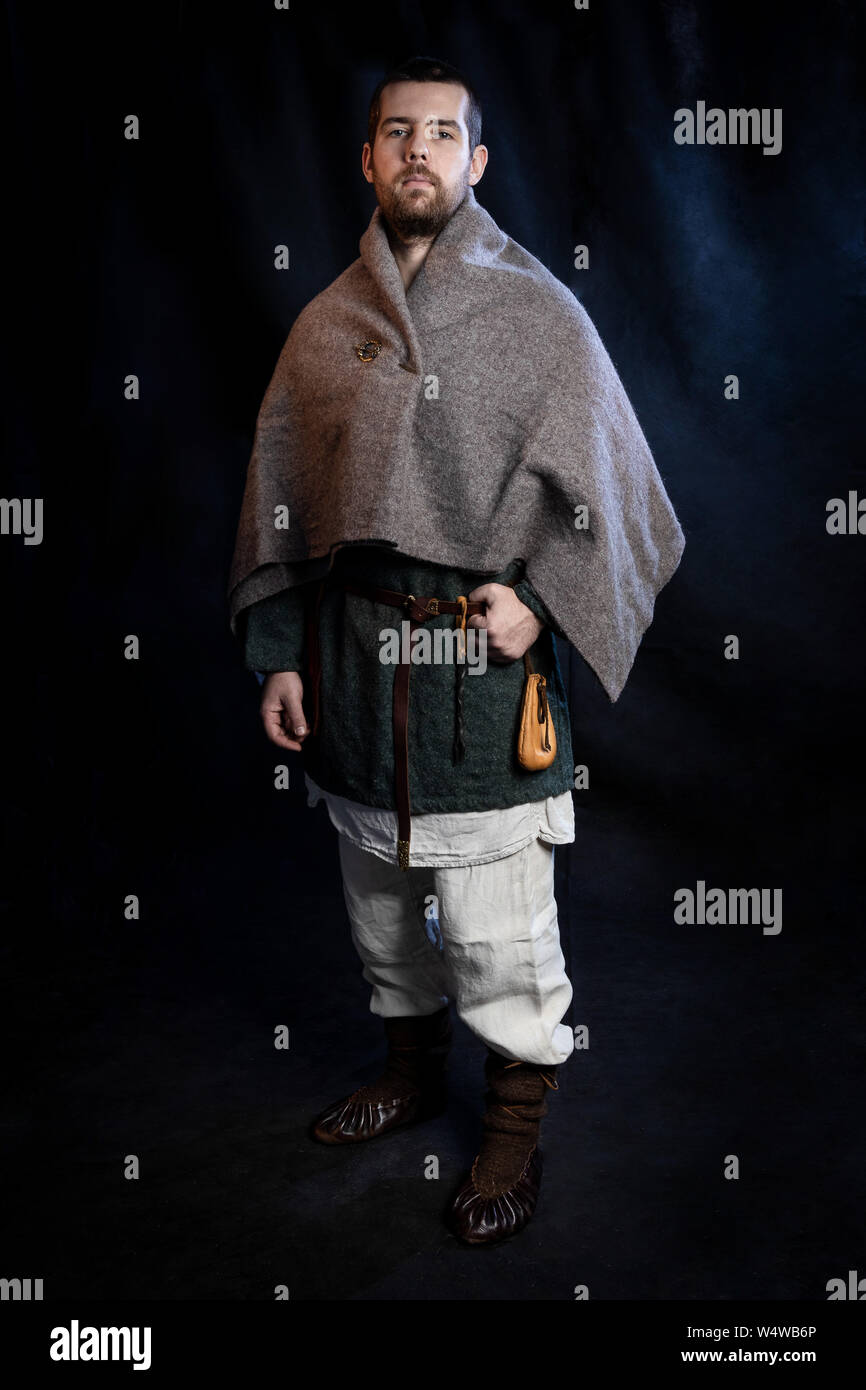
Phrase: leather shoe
{"type": "Point", "coordinates": [353, 1120]}
{"type": "Point", "coordinates": [478, 1220]}
{"type": "Point", "coordinates": [410, 1089]}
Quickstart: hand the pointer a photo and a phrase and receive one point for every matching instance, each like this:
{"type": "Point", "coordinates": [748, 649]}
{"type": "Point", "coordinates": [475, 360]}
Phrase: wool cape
{"type": "Point", "coordinates": [488, 416]}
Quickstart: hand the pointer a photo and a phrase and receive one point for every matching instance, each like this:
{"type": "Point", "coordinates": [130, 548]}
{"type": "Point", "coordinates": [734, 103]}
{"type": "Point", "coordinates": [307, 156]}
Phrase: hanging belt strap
{"type": "Point", "coordinates": [419, 608]}
{"type": "Point", "coordinates": [314, 659]}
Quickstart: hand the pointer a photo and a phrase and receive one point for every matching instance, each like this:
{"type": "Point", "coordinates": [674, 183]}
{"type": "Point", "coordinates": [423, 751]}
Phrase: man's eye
{"type": "Point", "coordinates": [440, 134]}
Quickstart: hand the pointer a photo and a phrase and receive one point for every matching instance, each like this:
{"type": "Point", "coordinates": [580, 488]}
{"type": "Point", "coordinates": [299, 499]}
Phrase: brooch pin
{"type": "Point", "coordinates": [367, 351]}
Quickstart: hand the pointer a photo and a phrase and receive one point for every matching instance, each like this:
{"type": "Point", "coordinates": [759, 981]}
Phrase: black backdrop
{"type": "Point", "coordinates": [155, 1037]}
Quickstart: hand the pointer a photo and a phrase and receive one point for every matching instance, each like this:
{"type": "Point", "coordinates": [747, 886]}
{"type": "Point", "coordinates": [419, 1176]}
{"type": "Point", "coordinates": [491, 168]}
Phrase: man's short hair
{"type": "Point", "coordinates": [423, 69]}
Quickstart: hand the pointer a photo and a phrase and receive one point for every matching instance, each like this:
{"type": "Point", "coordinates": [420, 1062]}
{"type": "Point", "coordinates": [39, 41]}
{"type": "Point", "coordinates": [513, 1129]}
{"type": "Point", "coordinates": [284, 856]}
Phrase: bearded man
{"type": "Point", "coordinates": [445, 446]}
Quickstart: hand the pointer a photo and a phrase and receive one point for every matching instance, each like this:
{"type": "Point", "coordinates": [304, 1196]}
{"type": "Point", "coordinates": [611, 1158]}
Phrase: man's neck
{"type": "Point", "coordinates": [409, 255]}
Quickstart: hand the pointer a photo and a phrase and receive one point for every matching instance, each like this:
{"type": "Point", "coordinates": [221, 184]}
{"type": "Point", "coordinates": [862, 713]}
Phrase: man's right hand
{"type": "Point", "coordinates": [282, 710]}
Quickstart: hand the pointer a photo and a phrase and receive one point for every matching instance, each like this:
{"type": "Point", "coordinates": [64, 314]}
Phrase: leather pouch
{"type": "Point", "coordinates": [536, 737]}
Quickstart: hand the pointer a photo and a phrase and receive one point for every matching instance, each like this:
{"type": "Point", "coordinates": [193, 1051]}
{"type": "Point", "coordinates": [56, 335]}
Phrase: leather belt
{"type": "Point", "coordinates": [419, 608]}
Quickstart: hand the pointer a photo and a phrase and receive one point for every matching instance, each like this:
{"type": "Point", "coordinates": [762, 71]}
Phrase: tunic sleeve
{"type": "Point", "coordinates": [527, 595]}
{"type": "Point", "coordinates": [275, 632]}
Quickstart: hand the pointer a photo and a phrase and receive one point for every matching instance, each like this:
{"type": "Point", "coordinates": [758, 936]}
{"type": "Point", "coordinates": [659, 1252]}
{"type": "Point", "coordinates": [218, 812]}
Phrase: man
{"type": "Point", "coordinates": [446, 445]}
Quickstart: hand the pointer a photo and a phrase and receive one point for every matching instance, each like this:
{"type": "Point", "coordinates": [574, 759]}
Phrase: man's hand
{"type": "Point", "coordinates": [282, 710]}
{"type": "Point", "coordinates": [511, 626]}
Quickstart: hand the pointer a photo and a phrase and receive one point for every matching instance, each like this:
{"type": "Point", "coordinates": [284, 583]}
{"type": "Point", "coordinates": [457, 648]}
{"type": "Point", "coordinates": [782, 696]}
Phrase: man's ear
{"type": "Point", "coordinates": [478, 163]}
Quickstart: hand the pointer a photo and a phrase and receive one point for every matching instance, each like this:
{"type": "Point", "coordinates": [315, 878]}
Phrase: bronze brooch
{"type": "Point", "coordinates": [367, 351]}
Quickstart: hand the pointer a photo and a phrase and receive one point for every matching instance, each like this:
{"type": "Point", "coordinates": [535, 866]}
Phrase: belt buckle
{"type": "Point", "coordinates": [432, 609]}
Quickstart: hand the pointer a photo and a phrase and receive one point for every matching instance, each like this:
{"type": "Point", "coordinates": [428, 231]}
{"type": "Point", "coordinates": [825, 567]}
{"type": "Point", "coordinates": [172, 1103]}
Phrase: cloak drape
{"type": "Point", "coordinates": [482, 420]}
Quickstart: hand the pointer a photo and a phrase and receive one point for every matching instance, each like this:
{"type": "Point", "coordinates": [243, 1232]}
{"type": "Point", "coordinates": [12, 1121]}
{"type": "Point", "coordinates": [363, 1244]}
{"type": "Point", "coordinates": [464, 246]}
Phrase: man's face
{"type": "Point", "coordinates": [420, 164]}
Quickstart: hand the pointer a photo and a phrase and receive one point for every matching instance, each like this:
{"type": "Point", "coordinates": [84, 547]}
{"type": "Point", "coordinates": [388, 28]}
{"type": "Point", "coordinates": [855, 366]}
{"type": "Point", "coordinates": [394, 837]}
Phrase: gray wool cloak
{"type": "Point", "coordinates": [487, 417]}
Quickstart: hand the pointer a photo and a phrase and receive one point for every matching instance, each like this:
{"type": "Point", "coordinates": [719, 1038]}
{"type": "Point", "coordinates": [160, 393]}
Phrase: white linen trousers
{"type": "Point", "coordinates": [475, 921]}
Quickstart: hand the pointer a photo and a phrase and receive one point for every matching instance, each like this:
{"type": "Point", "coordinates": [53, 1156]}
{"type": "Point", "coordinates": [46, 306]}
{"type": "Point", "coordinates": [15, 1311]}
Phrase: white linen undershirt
{"type": "Point", "coordinates": [450, 839]}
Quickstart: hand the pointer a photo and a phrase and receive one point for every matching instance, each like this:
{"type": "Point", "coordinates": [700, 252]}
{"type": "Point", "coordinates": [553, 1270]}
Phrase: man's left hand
{"type": "Point", "coordinates": [511, 626]}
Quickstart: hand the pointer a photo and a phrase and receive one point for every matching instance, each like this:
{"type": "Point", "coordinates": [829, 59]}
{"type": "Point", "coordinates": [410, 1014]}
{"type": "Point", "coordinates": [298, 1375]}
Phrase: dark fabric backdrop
{"type": "Point", "coordinates": [155, 1036]}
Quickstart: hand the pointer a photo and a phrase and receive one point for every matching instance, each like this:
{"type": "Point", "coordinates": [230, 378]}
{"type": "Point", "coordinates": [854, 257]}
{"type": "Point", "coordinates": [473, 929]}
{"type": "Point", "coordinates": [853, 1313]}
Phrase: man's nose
{"type": "Point", "coordinates": [418, 146]}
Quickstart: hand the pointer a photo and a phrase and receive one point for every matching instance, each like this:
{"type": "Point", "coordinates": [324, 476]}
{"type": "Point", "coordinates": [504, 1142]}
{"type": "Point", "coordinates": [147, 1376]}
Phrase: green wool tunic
{"type": "Point", "coordinates": [352, 754]}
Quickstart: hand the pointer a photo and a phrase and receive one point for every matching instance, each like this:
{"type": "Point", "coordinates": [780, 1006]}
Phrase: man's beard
{"type": "Point", "coordinates": [418, 214]}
